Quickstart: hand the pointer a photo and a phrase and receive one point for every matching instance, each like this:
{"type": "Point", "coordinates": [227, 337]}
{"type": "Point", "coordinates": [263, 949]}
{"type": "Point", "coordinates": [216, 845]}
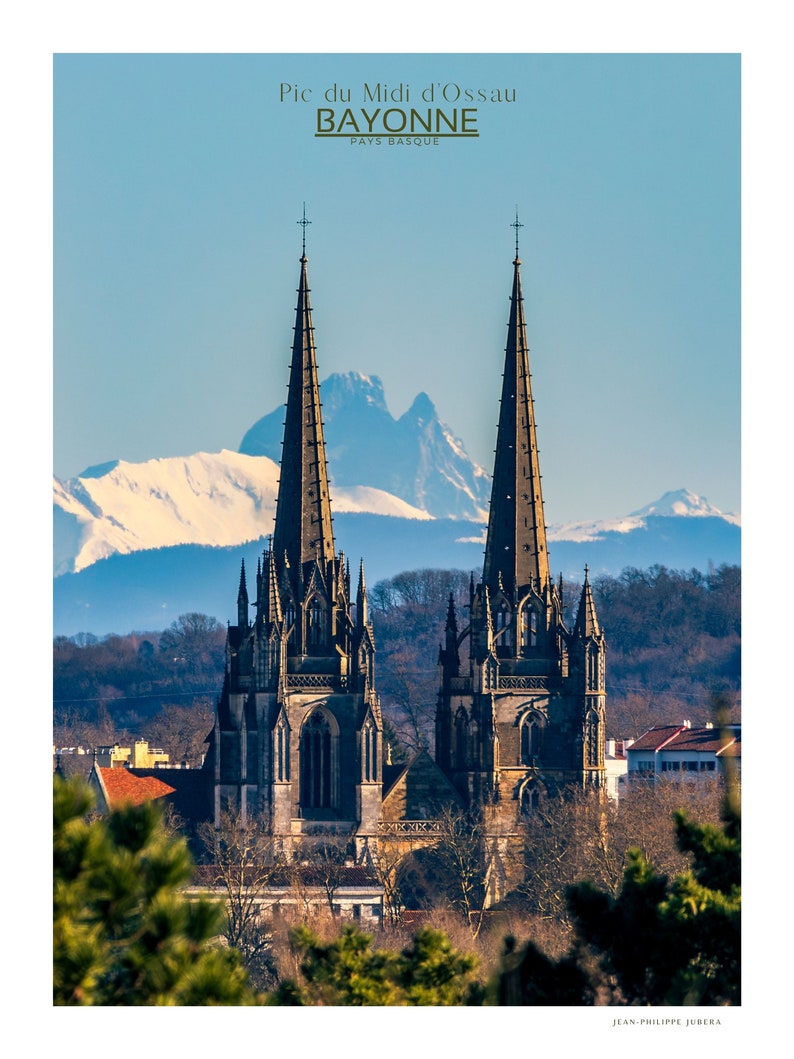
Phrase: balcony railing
{"type": "Point", "coordinates": [409, 827]}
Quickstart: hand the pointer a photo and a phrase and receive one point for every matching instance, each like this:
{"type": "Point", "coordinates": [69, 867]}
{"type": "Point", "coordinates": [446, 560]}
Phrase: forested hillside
{"type": "Point", "coordinates": [674, 639]}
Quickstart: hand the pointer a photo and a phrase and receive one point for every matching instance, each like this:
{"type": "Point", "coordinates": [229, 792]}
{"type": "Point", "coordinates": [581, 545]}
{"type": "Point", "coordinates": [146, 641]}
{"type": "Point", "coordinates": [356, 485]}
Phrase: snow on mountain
{"type": "Point", "coordinates": [218, 507]}
{"type": "Point", "coordinates": [680, 503]}
{"type": "Point", "coordinates": [416, 457]}
{"type": "Point", "coordinates": [685, 503]}
{"type": "Point", "coordinates": [216, 499]}
{"type": "Point", "coordinates": [364, 499]}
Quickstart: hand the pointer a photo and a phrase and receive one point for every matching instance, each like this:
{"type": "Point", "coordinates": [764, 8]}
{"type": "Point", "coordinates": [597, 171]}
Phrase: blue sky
{"type": "Point", "coordinates": [178, 181]}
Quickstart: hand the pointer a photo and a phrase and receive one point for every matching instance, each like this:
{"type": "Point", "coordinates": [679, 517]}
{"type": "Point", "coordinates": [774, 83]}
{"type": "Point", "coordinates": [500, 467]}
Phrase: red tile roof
{"type": "Point", "coordinates": [656, 737]}
{"type": "Point", "coordinates": [122, 788]}
{"type": "Point", "coordinates": [698, 740]}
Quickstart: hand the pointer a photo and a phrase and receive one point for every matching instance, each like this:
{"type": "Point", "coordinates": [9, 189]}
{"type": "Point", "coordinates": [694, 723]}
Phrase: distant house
{"type": "Point", "coordinates": [351, 892]}
{"type": "Point", "coordinates": [139, 756]}
{"type": "Point", "coordinates": [617, 765]}
{"type": "Point", "coordinates": [117, 787]}
{"type": "Point", "coordinates": [684, 752]}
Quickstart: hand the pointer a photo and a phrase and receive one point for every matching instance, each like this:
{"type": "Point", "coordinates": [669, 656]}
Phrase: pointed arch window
{"type": "Point", "coordinates": [461, 739]}
{"type": "Point", "coordinates": [281, 769]}
{"type": "Point", "coordinates": [531, 738]}
{"type": "Point", "coordinates": [289, 620]}
{"type": "Point", "coordinates": [530, 798]}
{"type": "Point", "coordinates": [593, 669]}
{"type": "Point", "coordinates": [529, 627]}
{"type": "Point", "coordinates": [369, 752]}
{"type": "Point", "coordinates": [260, 655]}
{"type": "Point", "coordinates": [315, 622]}
{"type": "Point", "coordinates": [592, 740]}
{"type": "Point", "coordinates": [318, 762]}
{"type": "Point", "coordinates": [503, 623]}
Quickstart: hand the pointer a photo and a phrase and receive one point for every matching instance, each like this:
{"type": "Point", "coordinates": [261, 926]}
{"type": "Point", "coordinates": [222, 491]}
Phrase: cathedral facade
{"type": "Point", "coordinates": [524, 715]}
{"type": "Point", "coordinates": [298, 736]}
{"type": "Point", "coordinates": [297, 739]}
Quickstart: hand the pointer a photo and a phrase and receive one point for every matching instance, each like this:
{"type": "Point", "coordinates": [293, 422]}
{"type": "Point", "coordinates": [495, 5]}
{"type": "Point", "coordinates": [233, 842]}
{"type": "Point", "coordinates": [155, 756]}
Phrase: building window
{"type": "Point", "coordinates": [529, 627]}
{"type": "Point", "coordinates": [592, 669]}
{"type": "Point", "coordinates": [461, 738]}
{"type": "Point", "coordinates": [530, 799]}
{"type": "Point", "coordinates": [369, 752]}
{"type": "Point", "coordinates": [281, 751]}
{"type": "Point", "coordinates": [592, 740]}
{"type": "Point", "coordinates": [503, 625]}
{"type": "Point", "coordinates": [317, 765]}
{"type": "Point", "coordinates": [289, 620]}
{"type": "Point", "coordinates": [531, 731]}
{"type": "Point", "coordinates": [315, 633]}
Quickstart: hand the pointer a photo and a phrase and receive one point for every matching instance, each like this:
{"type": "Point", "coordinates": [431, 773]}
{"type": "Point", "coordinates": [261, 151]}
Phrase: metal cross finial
{"type": "Point", "coordinates": [303, 223]}
{"type": "Point", "coordinates": [516, 224]}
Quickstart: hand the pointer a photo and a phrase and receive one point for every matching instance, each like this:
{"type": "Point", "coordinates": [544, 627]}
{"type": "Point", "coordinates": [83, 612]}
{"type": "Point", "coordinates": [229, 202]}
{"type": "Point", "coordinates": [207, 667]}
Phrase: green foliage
{"type": "Point", "coordinates": [529, 977]}
{"type": "Point", "coordinates": [659, 941]}
{"type": "Point", "coordinates": [348, 971]}
{"type": "Point", "coordinates": [122, 933]}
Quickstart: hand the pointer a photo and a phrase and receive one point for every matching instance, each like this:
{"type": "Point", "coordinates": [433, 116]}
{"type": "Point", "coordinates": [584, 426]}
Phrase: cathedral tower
{"type": "Point", "coordinates": [298, 731]}
{"type": "Point", "coordinates": [526, 716]}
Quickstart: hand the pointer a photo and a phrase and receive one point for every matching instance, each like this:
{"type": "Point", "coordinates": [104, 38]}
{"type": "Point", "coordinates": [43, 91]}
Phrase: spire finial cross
{"type": "Point", "coordinates": [304, 224]}
{"type": "Point", "coordinates": [516, 224]}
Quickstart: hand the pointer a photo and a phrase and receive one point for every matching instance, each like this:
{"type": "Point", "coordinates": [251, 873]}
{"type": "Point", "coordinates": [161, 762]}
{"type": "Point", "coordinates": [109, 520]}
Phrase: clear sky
{"type": "Point", "coordinates": [178, 181]}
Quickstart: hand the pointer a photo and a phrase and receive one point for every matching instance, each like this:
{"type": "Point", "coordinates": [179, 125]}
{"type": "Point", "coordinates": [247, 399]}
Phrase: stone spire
{"type": "Point", "coordinates": [516, 542]}
{"type": "Point", "coordinates": [273, 612]}
{"type": "Point", "coordinates": [242, 599]}
{"type": "Point", "coordinates": [362, 604]}
{"type": "Point", "coordinates": [586, 624]}
{"type": "Point", "coordinates": [452, 654]}
{"type": "Point", "coordinates": [303, 507]}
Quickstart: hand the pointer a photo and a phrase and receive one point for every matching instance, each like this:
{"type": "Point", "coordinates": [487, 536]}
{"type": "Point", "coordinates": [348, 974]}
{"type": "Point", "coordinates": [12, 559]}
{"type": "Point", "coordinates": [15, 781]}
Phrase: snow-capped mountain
{"type": "Point", "coordinates": [415, 457]}
{"type": "Point", "coordinates": [217, 499]}
{"type": "Point", "coordinates": [679, 503]}
{"type": "Point", "coordinates": [405, 495]}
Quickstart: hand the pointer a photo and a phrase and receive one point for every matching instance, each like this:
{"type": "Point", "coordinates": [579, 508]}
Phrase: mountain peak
{"type": "Point", "coordinates": [681, 503]}
{"type": "Point", "coordinates": [99, 470]}
{"type": "Point", "coordinates": [352, 387]}
{"type": "Point", "coordinates": [415, 457]}
{"type": "Point", "coordinates": [422, 409]}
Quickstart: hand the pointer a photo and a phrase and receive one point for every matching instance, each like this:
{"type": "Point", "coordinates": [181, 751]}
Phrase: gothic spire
{"type": "Point", "coordinates": [586, 624]}
{"type": "Point", "coordinates": [242, 599]}
{"type": "Point", "coordinates": [274, 612]}
{"type": "Point", "coordinates": [516, 542]}
{"type": "Point", "coordinates": [303, 508]}
{"type": "Point", "coordinates": [451, 655]}
{"type": "Point", "coordinates": [362, 604]}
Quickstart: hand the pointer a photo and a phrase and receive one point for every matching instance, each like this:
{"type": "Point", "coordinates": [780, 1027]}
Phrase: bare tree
{"type": "Point", "coordinates": [461, 856]}
{"type": "Point", "coordinates": [578, 835]}
{"type": "Point", "coordinates": [182, 730]}
{"type": "Point", "coordinates": [325, 863]}
{"type": "Point", "coordinates": [242, 864]}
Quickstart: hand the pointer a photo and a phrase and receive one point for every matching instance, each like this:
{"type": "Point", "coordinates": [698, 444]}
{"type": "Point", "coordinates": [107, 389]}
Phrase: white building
{"type": "Point", "coordinates": [684, 752]}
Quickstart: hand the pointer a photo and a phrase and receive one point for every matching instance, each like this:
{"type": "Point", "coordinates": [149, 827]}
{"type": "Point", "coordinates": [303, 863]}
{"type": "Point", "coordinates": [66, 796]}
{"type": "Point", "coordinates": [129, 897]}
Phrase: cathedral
{"type": "Point", "coordinates": [298, 736]}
